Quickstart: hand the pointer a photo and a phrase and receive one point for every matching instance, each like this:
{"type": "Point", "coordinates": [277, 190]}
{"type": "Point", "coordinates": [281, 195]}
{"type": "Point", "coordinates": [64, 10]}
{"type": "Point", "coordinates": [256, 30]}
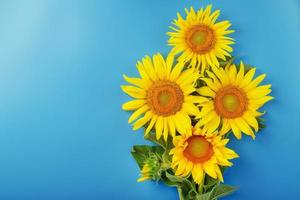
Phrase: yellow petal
{"type": "Point", "coordinates": [222, 76]}
{"type": "Point", "coordinates": [206, 91]}
{"type": "Point", "coordinates": [236, 131]}
{"type": "Point", "coordinates": [141, 83]}
{"type": "Point", "coordinates": [210, 84]}
{"type": "Point", "coordinates": [251, 120]}
{"type": "Point", "coordinates": [182, 123]}
{"type": "Point", "coordinates": [166, 128]}
{"type": "Point", "coordinates": [258, 92]}
{"type": "Point", "coordinates": [149, 68]}
{"type": "Point", "coordinates": [240, 75]}
{"type": "Point", "coordinates": [176, 71]}
{"type": "Point", "coordinates": [159, 66]}
{"type": "Point", "coordinates": [213, 124]}
{"type": "Point", "coordinates": [216, 81]}
{"type": "Point", "coordinates": [133, 105]}
{"type": "Point", "coordinates": [134, 91]}
{"type": "Point", "coordinates": [257, 103]}
{"type": "Point", "coordinates": [244, 127]}
{"type": "Point", "coordinates": [159, 127]}
{"type": "Point", "coordinates": [248, 77]}
{"type": "Point", "coordinates": [197, 173]}
{"type": "Point", "coordinates": [225, 127]}
{"type": "Point", "coordinates": [214, 16]}
{"type": "Point", "coordinates": [209, 169]}
{"type": "Point", "coordinates": [142, 71]}
{"type": "Point", "coordinates": [151, 124]}
{"type": "Point", "coordinates": [195, 99]}
{"type": "Point", "coordinates": [142, 121]}
{"type": "Point", "coordinates": [137, 113]}
{"type": "Point", "coordinates": [232, 73]}
{"type": "Point", "coordinates": [255, 82]}
{"type": "Point", "coordinates": [143, 179]}
{"type": "Point", "coordinates": [219, 173]}
{"type": "Point", "coordinates": [188, 168]}
{"type": "Point", "coordinates": [171, 126]}
{"type": "Point", "coordinates": [207, 118]}
{"type": "Point", "coordinates": [169, 63]}
{"type": "Point", "coordinates": [180, 169]}
{"type": "Point", "coordinates": [190, 108]}
{"type": "Point", "coordinates": [206, 108]}
{"type": "Point", "coordinates": [187, 77]}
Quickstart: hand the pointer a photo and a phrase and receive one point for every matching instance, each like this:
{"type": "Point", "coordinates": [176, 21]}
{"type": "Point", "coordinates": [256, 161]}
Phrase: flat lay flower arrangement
{"type": "Point", "coordinates": [190, 103]}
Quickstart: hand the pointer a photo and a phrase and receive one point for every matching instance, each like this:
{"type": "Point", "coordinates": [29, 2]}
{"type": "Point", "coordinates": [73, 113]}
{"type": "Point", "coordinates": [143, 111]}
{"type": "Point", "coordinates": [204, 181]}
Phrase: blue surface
{"type": "Point", "coordinates": [63, 134]}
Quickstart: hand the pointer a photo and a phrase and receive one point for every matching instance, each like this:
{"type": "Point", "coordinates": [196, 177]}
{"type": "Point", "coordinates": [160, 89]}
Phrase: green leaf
{"type": "Point", "coordinates": [221, 191]}
{"type": "Point", "coordinates": [142, 152]}
{"type": "Point", "coordinates": [190, 184]}
{"type": "Point", "coordinates": [205, 196]}
{"type": "Point", "coordinates": [173, 178]}
{"type": "Point", "coordinates": [209, 183]}
{"type": "Point", "coordinates": [229, 60]}
{"type": "Point", "coordinates": [188, 189]}
{"type": "Point", "coordinates": [169, 183]}
{"type": "Point", "coordinates": [261, 123]}
{"type": "Point", "coordinates": [168, 179]}
{"type": "Point", "coordinates": [192, 194]}
{"type": "Point", "coordinates": [152, 138]}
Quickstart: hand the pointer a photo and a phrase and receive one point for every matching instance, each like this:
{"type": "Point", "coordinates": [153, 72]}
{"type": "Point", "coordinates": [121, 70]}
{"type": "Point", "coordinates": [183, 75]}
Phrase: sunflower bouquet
{"type": "Point", "coordinates": [190, 102]}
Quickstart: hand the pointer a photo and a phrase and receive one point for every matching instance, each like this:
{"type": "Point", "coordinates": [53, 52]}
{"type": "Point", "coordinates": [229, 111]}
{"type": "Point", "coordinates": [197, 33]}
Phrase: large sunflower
{"type": "Point", "coordinates": [200, 153]}
{"type": "Point", "coordinates": [234, 99]}
{"type": "Point", "coordinates": [200, 38]}
{"type": "Point", "coordinates": [162, 96]}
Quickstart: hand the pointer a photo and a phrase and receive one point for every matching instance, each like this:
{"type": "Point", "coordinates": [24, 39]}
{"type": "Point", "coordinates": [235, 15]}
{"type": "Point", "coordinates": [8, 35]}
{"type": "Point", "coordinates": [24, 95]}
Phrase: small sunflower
{"type": "Point", "coordinates": [162, 96]}
{"type": "Point", "coordinates": [151, 169]}
{"type": "Point", "coordinates": [145, 173]}
{"type": "Point", "coordinates": [233, 100]}
{"type": "Point", "coordinates": [200, 153]}
{"type": "Point", "coordinates": [201, 39]}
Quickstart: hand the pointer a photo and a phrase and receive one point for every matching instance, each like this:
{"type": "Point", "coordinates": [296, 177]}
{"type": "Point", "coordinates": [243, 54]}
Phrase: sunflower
{"type": "Point", "coordinates": [201, 153]}
{"type": "Point", "coordinates": [145, 173]}
{"type": "Point", "coordinates": [162, 95]}
{"type": "Point", "coordinates": [234, 99]}
{"type": "Point", "coordinates": [151, 169]}
{"type": "Point", "coordinates": [200, 38]}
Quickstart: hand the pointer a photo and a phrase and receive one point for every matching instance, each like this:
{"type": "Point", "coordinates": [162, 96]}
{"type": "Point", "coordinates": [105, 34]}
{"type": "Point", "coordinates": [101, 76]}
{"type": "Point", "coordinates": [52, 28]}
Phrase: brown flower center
{"type": "Point", "coordinates": [198, 149]}
{"type": "Point", "coordinates": [165, 98]}
{"type": "Point", "coordinates": [230, 102]}
{"type": "Point", "coordinates": [200, 38]}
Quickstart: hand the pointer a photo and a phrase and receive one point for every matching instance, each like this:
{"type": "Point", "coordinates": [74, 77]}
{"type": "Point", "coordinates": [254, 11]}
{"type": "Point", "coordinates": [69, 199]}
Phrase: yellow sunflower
{"type": "Point", "coordinates": [145, 173]}
{"type": "Point", "coordinates": [234, 99]}
{"type": "Point", "coordinates": [200, 38]}
{"type": "Point", "coordinates": [200, 153]}
{"type": "Point", "coordinates": [162, 95]}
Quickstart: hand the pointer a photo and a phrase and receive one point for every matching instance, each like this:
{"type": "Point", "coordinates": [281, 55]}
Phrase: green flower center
{"type": "Point", "coordinates": [165, 98]}
{"type": "Point", "coordinates": [230, 102]}
{"type": "Point", "coordinates": [200, 38]}
{"type": "Point", "coordinates": [198, 149]}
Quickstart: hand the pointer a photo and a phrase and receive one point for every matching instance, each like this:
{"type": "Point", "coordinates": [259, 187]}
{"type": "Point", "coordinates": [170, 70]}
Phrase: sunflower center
{"type": "Point", "coordinates": [165, 98]}
{"type": "Point", "coordinates": [198, 149]}
{"type": "Point", "coordinates": [200, 38]}
{"type": "Point", "coordinates": [230, 102]}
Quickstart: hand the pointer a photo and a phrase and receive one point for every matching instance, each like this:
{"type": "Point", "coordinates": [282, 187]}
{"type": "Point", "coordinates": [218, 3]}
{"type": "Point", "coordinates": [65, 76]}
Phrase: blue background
{"type": "Point", "coordinates": [63, 134]}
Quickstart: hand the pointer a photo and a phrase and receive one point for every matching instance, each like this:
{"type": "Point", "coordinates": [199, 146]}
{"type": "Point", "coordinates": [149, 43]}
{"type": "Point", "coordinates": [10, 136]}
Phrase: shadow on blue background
{"type": "Point", "coordinates": [63, 133]}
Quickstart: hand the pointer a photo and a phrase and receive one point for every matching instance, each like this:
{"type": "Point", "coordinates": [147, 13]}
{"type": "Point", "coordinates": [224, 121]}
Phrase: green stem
{"type": "Point", "coordinates": [200, 188]}
{"type": "Point", "coordinates": [181, 197]}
